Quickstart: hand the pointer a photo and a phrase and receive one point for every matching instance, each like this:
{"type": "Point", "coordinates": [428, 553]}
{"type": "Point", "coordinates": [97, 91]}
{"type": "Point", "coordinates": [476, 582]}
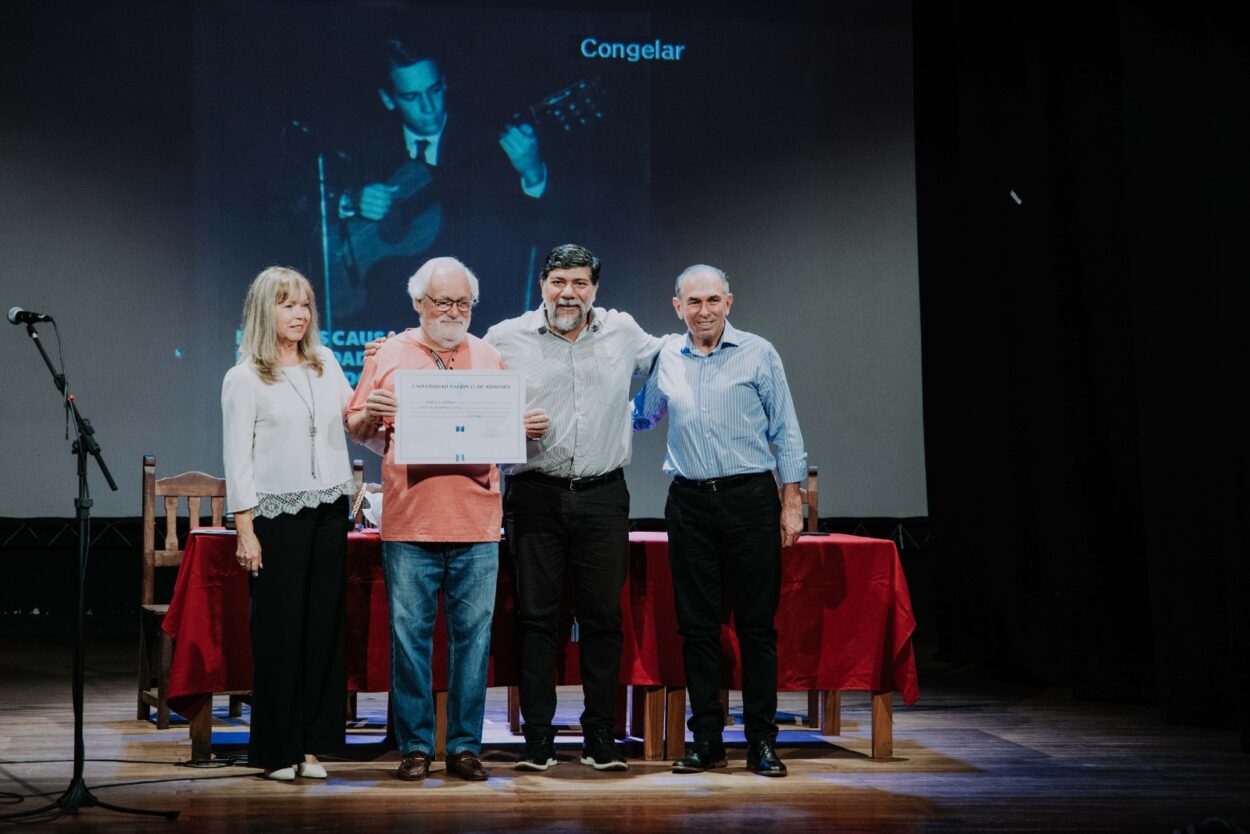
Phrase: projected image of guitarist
{"type": "Point", "coordinates": [443, 181]}
{"type": "Point", "coordinates": [417, 91]}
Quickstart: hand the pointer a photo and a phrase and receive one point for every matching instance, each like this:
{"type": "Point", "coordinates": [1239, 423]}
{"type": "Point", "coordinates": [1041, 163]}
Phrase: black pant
{"type": "Point", "coordinates": [730, 536]}
{"type": "Point", "coordinates": [549, 530]}
{"type": "Point", "coordinates": [299, 678]}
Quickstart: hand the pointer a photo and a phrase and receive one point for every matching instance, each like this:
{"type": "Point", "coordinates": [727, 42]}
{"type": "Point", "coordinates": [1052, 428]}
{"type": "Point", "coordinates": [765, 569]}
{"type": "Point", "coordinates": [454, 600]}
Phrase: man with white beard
{"type": "Point", "coordinates": [440, 531]}
{"type": "Point", "coordinates": [567, 507]}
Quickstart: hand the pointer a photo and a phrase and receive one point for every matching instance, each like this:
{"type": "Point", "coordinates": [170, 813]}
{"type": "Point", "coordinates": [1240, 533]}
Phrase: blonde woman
{"type": "Point", "coordinates": [288, 479]}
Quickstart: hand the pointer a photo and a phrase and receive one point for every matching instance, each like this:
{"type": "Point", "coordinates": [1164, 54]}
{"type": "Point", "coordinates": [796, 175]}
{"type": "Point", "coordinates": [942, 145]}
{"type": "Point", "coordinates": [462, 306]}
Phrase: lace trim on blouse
{"type": "Point", "coordinates": [269, 505]}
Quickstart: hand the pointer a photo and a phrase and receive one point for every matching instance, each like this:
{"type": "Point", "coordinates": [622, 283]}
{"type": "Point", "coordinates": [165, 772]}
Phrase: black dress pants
{"type": "Point", "coordinates": [299, 678]}
{"type": "Point", "coordinates": [550, 530]}
{"type": "Point", "coordinates": [727, 537]}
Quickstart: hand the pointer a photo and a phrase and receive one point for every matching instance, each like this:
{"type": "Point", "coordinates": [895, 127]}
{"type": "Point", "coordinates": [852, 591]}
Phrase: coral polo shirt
{"type": "Point", "coordinates": [432, 502]}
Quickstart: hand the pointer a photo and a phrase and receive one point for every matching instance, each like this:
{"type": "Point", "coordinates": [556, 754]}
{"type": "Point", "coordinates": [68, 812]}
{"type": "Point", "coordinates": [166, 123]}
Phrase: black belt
{"type": "Point", "coordinates": [571, 484]}
{"type": "Point", "coordinates": [718, 484]}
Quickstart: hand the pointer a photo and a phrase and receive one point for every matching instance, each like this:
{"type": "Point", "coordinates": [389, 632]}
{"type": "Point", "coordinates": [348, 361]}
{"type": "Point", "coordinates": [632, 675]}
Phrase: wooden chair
{"type": "Point", "coordinates": [358, 491]}
{"type": "Point", "coordinates": [824, 708]}
{"type": "Point", "coordinates": [811, 501]}
{"type": "Point", "coordinates": [358, 517]}
{"type": "Point", "coordinates": [155, 646]}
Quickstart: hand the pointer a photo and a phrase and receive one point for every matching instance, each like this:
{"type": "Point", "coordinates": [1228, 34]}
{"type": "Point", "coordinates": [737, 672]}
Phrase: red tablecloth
{"type": "Point", "coordinates": [845, 621]}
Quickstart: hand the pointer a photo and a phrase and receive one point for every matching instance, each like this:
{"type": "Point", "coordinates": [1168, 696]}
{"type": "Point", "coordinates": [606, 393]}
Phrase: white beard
{"type": "Point", "coordinates": [445, 335]}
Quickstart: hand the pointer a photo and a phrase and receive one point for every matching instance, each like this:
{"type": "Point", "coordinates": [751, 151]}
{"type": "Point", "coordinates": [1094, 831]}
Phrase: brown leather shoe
{"type": "Point", "coordinates": [467, 766]}
{"type": "Point", "coordinates": [415, 766]}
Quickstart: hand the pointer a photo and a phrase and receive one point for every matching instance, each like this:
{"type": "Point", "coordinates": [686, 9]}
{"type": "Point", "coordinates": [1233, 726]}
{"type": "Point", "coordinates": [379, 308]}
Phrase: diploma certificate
{"type": "Point", "coordinates": [459, 417]}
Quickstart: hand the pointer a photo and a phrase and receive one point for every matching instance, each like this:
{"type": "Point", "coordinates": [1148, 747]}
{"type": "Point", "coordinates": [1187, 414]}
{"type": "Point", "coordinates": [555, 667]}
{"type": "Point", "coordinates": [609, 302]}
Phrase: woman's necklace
{"type": "Point", "coordinates": [311, 405]}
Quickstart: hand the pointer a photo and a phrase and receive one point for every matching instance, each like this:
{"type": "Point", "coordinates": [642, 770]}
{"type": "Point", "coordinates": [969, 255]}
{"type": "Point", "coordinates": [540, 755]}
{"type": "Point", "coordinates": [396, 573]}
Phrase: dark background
{"type": "Point", "coordinates": [1085, 351]}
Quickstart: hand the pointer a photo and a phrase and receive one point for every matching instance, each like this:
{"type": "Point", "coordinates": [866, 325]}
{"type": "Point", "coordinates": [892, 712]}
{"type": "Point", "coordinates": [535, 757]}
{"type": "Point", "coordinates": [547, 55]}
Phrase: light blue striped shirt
{"type": "Point", "coordinates": [730, 411]}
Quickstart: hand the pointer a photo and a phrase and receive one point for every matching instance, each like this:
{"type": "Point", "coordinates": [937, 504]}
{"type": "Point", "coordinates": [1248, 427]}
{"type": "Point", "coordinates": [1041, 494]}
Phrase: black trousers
{"type": "Point", "coordinates": [551, 530]}
{"type": "Point", "coordinates": [299, 601]}
{"type": "Point", "coordinates": [729, 537]}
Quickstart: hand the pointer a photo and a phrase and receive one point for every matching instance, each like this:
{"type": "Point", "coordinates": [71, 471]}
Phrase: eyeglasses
{"type": "Point", "coordinates": [464, 305]}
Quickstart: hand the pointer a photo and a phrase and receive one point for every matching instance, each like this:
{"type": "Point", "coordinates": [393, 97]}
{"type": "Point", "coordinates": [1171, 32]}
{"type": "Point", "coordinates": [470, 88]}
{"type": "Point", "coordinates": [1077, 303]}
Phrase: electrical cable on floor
{"type": "Point", "coordinates": [174, 779]}
{"type": "Point", "coordinates": [10, 798]}
{"type": "Point", "coordinates": [229, 761]}
{"type": "Point", "coordinates": [223, 761]}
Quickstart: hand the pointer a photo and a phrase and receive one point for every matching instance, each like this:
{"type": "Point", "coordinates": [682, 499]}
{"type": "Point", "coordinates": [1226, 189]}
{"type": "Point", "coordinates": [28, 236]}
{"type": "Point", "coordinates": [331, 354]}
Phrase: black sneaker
{"type": "Point", "coordinates": [601, 752]}
{"type": "Point", "coordinates": [539, 754]}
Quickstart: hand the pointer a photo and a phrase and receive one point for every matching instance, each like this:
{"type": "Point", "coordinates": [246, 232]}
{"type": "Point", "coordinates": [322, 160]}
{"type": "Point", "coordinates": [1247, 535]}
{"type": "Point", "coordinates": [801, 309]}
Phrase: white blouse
{"type": "Point", "coordinates": [274, 463]}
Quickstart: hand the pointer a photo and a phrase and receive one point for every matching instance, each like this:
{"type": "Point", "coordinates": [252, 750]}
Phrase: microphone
{"type": "Point", "coordinates": [19, 316]}
{"type": "Point", "coordinates": [308, 131]}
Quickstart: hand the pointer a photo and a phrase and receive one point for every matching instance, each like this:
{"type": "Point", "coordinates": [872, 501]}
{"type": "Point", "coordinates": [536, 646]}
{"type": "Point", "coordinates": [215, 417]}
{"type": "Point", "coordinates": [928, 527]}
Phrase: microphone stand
{"type": "Point", "coordinates": [325, 234]}
{"type": "Point", "coordinates": [327, 196]}
{"type": "Point", "coordinates": [77, 795]}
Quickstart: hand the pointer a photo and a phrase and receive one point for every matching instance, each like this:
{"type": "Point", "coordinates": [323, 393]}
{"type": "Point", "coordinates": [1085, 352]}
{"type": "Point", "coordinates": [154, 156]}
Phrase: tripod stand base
{"type": "Point", "coordinates": [76, 796]}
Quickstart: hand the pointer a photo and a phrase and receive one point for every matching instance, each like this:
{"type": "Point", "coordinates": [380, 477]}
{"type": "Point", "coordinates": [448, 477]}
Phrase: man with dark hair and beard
{"type": "Point", "coordinates": [567, 508]}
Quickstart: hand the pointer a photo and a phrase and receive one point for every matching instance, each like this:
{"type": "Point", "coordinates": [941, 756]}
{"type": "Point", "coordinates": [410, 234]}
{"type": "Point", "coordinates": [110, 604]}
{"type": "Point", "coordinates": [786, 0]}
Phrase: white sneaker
{"type": "Point", "coordinates": [282, 774]}
{"type": "Point", "coordinates": [310, 770]}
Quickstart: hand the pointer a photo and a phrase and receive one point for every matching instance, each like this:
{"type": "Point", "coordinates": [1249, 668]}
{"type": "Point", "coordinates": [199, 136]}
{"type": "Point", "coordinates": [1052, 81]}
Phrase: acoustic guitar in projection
{"type": "Point", "coordinates": [415, 217]}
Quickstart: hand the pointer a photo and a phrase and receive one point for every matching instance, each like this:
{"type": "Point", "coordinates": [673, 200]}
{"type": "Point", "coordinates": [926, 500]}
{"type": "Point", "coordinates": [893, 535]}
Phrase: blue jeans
{"type": "Point", "coordinates": [466, 574]}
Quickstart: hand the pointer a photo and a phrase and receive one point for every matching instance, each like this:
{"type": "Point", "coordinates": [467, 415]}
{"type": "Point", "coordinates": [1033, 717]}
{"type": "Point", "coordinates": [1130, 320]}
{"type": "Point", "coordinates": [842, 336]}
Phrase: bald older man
{"type": "Point", "coordinates": [731, 426]}
{"type": "Point", "coordinates": [440, 531]}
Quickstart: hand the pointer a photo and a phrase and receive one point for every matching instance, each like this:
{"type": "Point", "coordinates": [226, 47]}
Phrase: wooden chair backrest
{"type": "Point", "coordinates": [358, 479]}
{"type": "Point", "coordinates": [811, 498]}
{"type": "Point", "coordinates": [194, 487]}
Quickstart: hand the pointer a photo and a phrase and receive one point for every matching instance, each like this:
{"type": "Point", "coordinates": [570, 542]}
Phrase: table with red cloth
{"type": "Point", "coordinates": [844, 623]}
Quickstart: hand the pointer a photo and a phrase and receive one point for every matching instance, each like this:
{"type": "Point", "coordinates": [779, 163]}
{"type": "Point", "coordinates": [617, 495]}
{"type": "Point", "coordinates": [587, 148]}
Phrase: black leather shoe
{"type": "Point", "coordinates": [763, 759]}
{"type": "Point", "coordinates": [467, 766]}
{"type": "Point", "coordinates": [415, 766]}
{"type": "Point", "coordinates": [701, 756]}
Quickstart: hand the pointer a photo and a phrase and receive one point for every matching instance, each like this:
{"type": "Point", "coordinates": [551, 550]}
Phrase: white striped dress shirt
{"type": "Point", "coordinates": [727, 410]}
{"type": "Point", "coordinates": [583, 386]}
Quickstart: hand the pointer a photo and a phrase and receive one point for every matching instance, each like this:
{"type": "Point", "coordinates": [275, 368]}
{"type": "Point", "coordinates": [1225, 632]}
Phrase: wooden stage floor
{"type": "Point", "coordinates": [970, 756]}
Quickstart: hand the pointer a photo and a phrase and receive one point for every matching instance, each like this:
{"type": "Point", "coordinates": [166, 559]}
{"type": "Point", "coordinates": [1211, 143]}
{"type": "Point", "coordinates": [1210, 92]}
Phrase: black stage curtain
{"type": "Point", "coordinates": [1084, 348]}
